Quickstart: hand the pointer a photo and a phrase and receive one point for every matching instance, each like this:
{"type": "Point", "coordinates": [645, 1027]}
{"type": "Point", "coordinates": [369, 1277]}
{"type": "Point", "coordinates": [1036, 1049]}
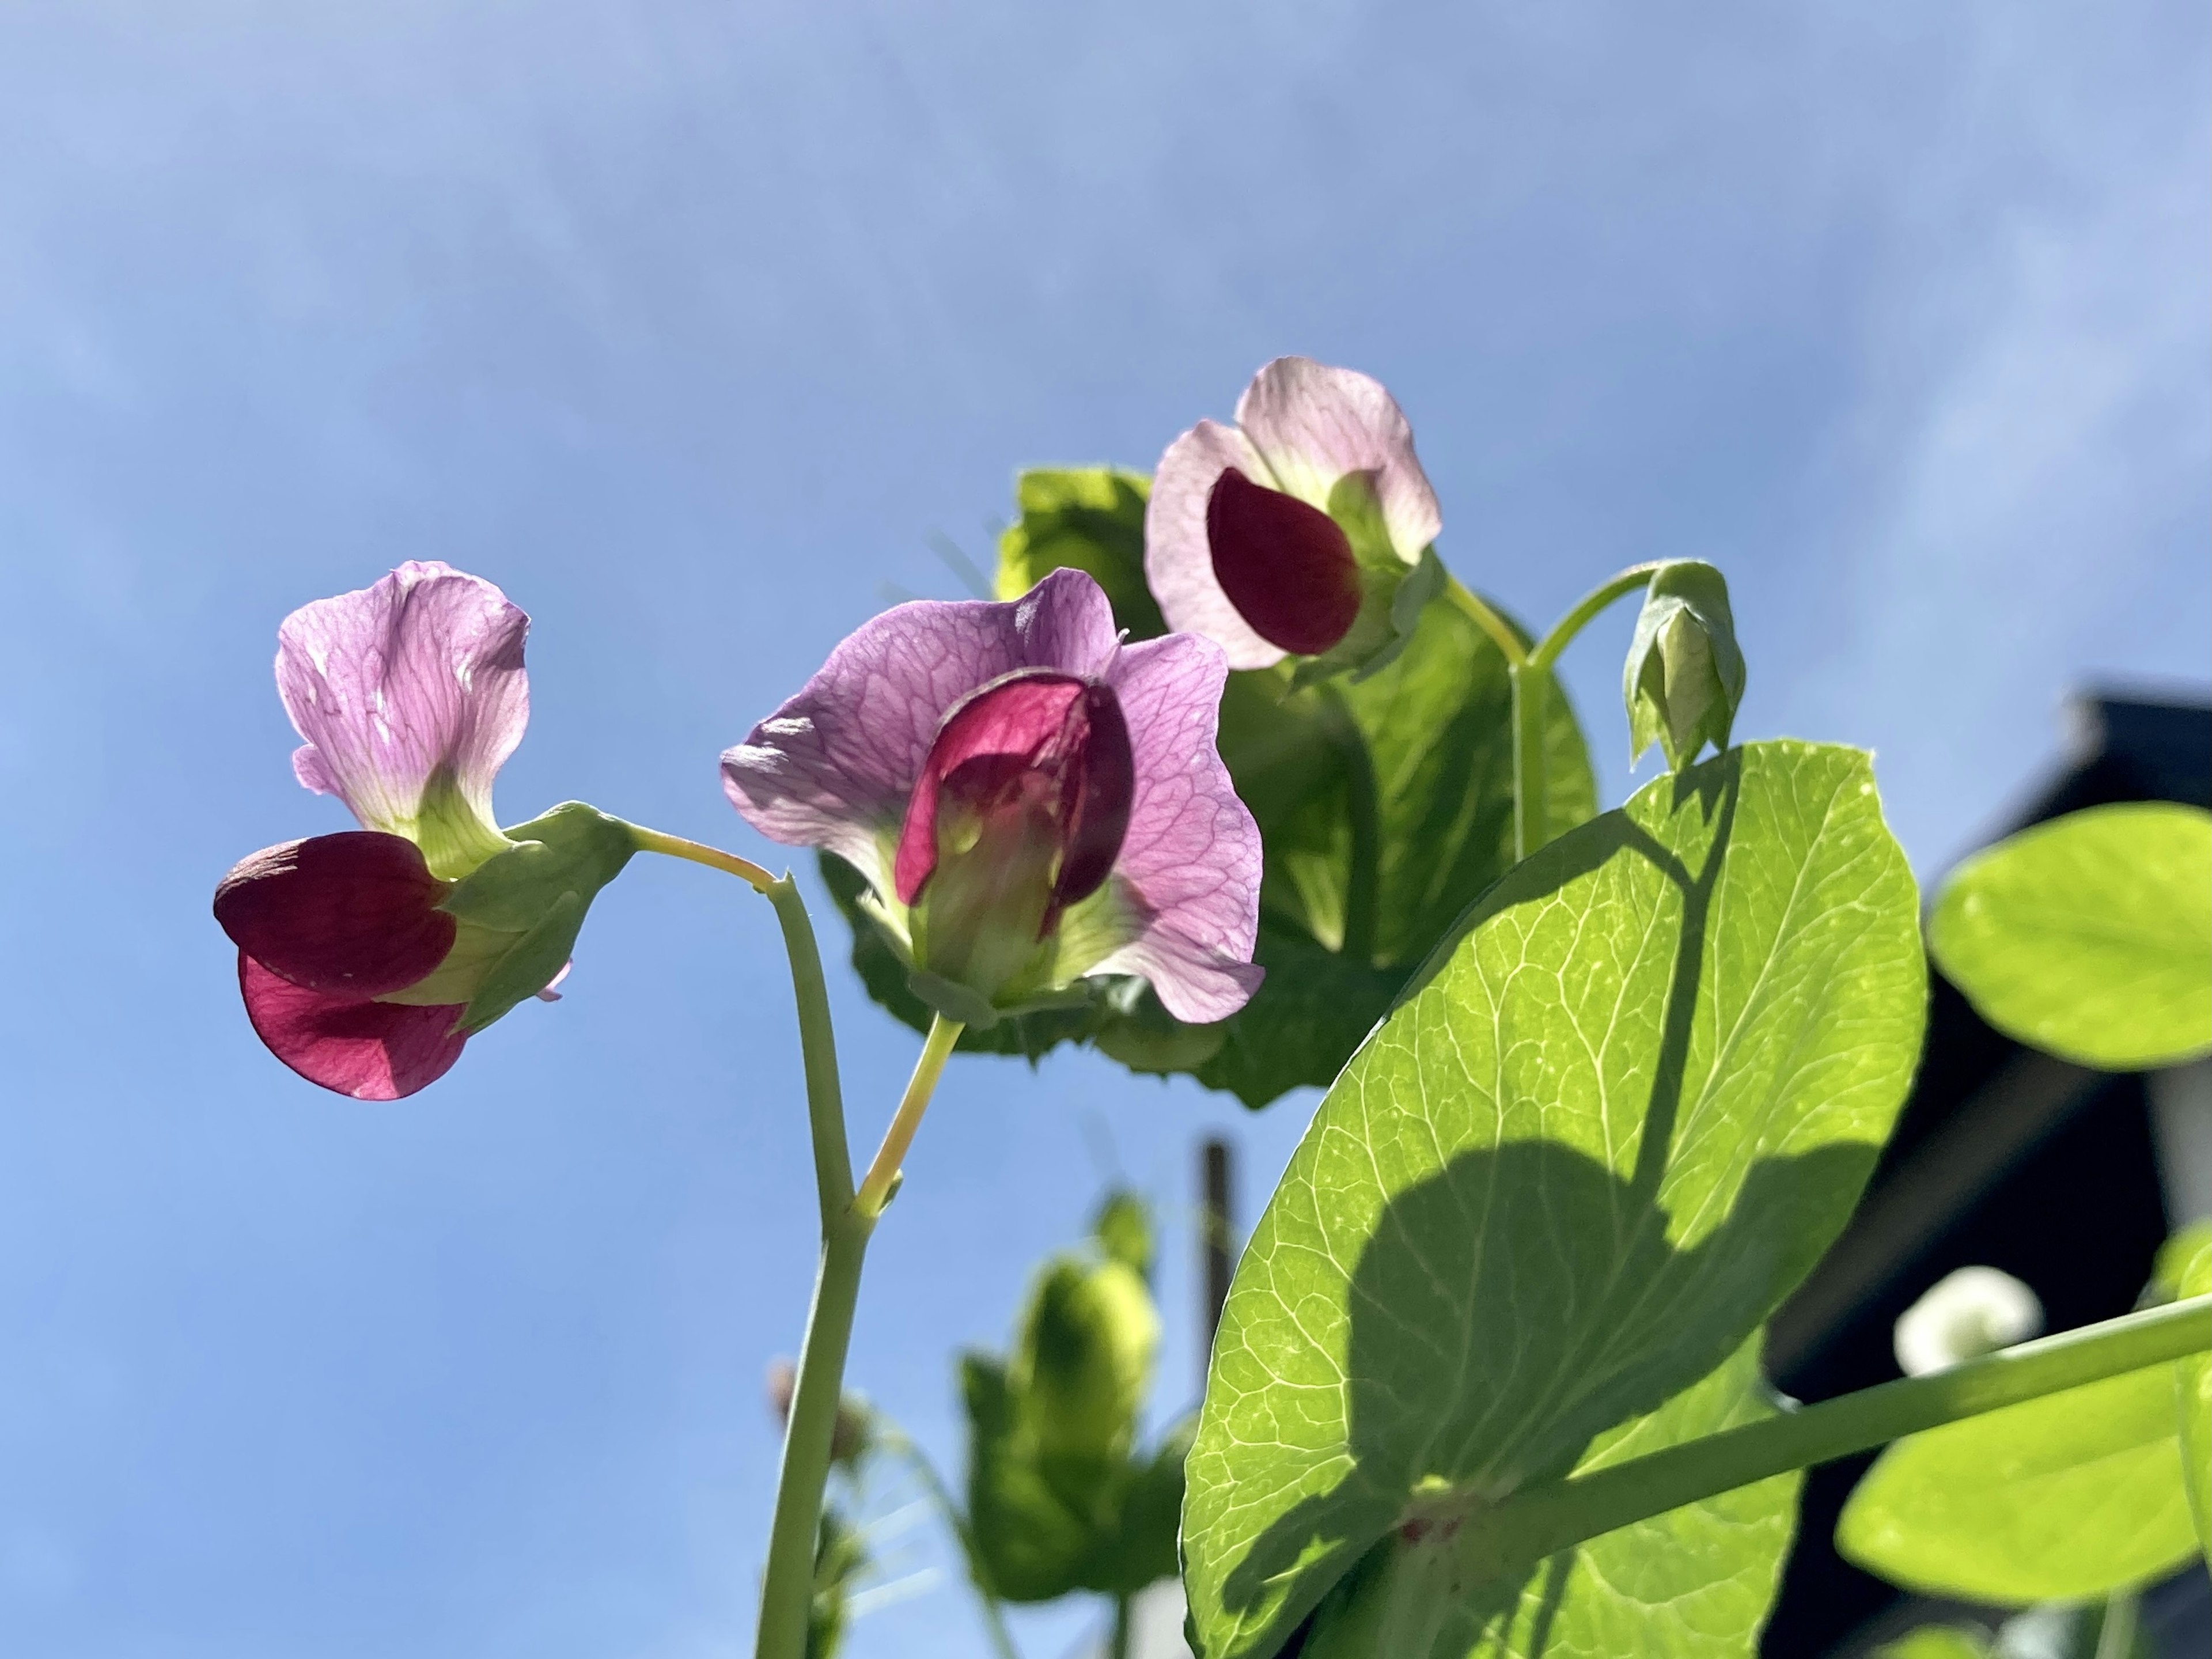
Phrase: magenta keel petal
{"type": "Point", "coordinates": [1286, 567]}
{"type": "Point", "coordinates": [369, 1050]}
{"type": "Point", "coordinates": [354, 913]}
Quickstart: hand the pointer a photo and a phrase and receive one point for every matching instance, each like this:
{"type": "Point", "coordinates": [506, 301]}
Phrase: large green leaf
{"type": "Point", "coordinates": [2073, 1494]}
{"type": "Point", "coordinates": [1567, 1178]}
{"type": "Point", "coordinates": [1385, 804]}
{"type": "Point", "coordinates": [2090, 936]}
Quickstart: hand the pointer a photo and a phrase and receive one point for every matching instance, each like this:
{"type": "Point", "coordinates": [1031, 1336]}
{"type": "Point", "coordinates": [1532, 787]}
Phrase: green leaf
{"type": "Point", "coordinates": [1692, 1584]}
{"type": "Point", "coordinates": [1083, 518]}
{"type": "Point", "coordinates": [2191, 1274]}
{"type": "Point", "coordinates": [2073, 1494]}
{"type": "Point", "coordinates": [1567, 1178]}
{"type": "Point", "coordinates": [1029, 1543]}
{"type": "Point", "coordinates": [1937, 1642]}
{"type": "Point", "coordinates": [2090, 936]}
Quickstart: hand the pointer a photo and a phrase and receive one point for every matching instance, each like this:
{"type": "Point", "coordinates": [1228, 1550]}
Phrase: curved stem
{"type": "Point", "coordinates": [1502, 633]}
{"type": "Point", "coordinates": [1541, 1521]}
{"type": "Point", "coordinates": [1587, 608]}
{"type": "Point", "coordinates": [675, 847]}
{"type": "Point", "coordinates": [876, 1185]}
{"type": "Point", "coordinates": [994, 1622]}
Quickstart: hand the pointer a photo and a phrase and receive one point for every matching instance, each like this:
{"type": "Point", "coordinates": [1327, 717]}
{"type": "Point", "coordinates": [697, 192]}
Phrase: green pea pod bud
{"type": "Point", "coordinates": [1081, 1366]}
{"type": "Point", "coordinates": [1685, 677]}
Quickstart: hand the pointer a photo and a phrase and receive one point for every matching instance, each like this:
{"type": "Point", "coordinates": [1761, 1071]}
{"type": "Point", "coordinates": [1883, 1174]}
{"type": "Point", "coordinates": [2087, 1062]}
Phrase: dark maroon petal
{"type": "Point", "coordinates": [353, 914]}
{"type": "Point", "coordinates": [1286, 567]}
{"type": "Point", "coordinates": [369, 1050]}
{"type": "Point", "coordinates": [1054, 741]}
{"type": "Point", "coordinates": [1102, 784]}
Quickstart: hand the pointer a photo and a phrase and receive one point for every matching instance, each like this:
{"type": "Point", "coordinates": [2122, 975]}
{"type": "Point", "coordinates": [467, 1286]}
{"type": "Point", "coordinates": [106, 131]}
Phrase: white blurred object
{"type": "Point", "coordinates": [1973, 1311]}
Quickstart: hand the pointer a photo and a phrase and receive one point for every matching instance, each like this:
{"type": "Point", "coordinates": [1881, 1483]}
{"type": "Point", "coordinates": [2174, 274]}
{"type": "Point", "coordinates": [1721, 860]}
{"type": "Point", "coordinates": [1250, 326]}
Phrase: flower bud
{"type": "Point", "coordinates": [1685, 675]}
{"type": "Point", "coordinates": [1963, 1315]}
{"type": "Point", "coordinates": [1082, 1364]}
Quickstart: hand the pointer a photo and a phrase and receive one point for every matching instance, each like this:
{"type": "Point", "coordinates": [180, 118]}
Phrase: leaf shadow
{"type": "Point", "coordinates": [1510, 1307]}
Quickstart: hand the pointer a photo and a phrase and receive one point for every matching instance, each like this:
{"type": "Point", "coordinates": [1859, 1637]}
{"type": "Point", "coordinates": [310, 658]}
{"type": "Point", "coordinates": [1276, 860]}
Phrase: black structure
{"type": "Point", "coordinates": [2005, 1157]}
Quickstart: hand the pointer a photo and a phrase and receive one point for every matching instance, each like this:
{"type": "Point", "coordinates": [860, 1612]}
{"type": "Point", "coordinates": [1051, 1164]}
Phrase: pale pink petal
{"type": "Point", "coordinates": [1178, 560]}
{"type": "Point", "coordinates": [414, 682]}
{"type": "Point", "coordinates": [1191, 855]}
{"type": "Point", "coordinates": [833, 767]}
{"type": "Point", "coordinates": [1312, 424]}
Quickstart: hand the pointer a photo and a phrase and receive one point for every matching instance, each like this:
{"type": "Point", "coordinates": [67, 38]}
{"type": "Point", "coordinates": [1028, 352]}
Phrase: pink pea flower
{"type": "Point", "coordinates": [1032, 800]}
{"type": "Point", "coordinates": [357, 969]}
{"type": "Point", "coordinates": [1304, 530]}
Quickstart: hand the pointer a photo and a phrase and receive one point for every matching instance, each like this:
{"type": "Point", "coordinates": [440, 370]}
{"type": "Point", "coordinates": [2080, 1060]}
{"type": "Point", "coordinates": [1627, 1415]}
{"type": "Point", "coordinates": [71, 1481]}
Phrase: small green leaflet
{"type": "Point", "coordinates": [2073, 1494]}
{"type": "Point", "coordinates": [1634, 1102]}
{"type": "Point", "coordinates": [2090, 936]}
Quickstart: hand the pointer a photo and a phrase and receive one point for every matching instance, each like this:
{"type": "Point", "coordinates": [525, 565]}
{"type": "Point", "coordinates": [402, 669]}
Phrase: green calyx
{"type": "Point", "coordinates": [519, 911]}
{"type": "Point", "coordinates": [455, 837]}
{"type": "Point", "coordinates": [1685, 677]}
{"type": "Point", "coordinates": [1392, 591]}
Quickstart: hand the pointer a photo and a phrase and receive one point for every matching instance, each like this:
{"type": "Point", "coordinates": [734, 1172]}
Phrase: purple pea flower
{"type": "Point", "coordinates": [410, 695]}
{"type": "Point", "coordinates": [1304, 530]}
{"type": "Point", "coordinates": [1032, 800]}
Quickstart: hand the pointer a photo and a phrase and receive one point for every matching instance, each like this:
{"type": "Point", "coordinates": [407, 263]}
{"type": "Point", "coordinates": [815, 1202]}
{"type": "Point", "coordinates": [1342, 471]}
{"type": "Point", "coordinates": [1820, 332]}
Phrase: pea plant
{"type": "Point", "coordinates": [1235, 779]}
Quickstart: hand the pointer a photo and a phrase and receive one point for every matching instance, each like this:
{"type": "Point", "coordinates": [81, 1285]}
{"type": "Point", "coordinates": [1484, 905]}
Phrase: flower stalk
{"type": "Point", "coordinates": [1541, 1521]}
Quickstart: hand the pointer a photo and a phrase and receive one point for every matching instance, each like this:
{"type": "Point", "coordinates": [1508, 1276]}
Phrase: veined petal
{"type": "Point", "coordinates": [1190, 857]}
{"type": "Point", "coordinates": [369, 1050]}
{"type": "Point", "coordinates": [354, 913]}
{"type": "Point", "coordinates": [833, 767]}
{"type": "Point", "coordinates": [1179, 559]}
{"type": "Point", "coordinates": [411, 694]}
{"type": "Point", "coordinates": [1311, 424]}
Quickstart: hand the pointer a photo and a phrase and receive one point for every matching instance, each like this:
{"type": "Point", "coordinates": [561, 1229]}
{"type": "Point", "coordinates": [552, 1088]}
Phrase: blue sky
{"type": "Point", "coordinates": [690, 325]}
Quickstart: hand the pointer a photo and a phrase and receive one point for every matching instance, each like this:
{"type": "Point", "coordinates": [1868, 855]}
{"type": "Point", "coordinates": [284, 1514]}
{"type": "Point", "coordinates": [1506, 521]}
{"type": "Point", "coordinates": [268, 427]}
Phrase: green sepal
{"type": "Point", "coordinates": [1685, 677]}
{"type": "Point", "coordinates": [538, 891]}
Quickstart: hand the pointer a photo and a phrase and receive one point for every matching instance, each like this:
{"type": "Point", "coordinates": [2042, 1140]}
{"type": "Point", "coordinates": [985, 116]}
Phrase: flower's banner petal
{"type": "Point", "coordinates": [1192, 856]}
{"type": "Point", "coordinates": [1179, 559]}
{"type": "Point", "coordinates": [832, 767]}
{"type": "Point", "coordinates": [1286, 567]}
{"type": "Point", "coordinates": [1693, 1583]}
{"type": "Point", "coordinates": [2089, 936]}
{"type": "Point", "coordinates": [411, 694]}
{"type": "Point", "coordinates": [1311, 424]}
{"type": "Point", "coordinates": [356, 912]}
{"type": "Point", "coordinates": [369, 1050]}
{"type": "Point", "coordinates": [1619, 1117]}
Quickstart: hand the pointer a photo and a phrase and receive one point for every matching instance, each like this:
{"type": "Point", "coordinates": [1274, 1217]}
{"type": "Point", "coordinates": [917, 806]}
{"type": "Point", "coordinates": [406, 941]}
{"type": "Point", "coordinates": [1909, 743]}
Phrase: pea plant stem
{"type": "Point", "coordinates": [848, 1218]}
{"type": "Point", "coordinates": [1541, 1521]}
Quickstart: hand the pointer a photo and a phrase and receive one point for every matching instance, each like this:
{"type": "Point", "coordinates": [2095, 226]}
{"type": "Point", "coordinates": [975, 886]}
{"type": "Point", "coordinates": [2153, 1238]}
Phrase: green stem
{"type": "Point", "coordinates": [1587, 608]}
{"type": "Point", "coordinates": [817, 1046]}
{"type": "Point", "coordinates": [876, 1185]}
{"type": "Point", "coordinates": [2116, 1634]}
{"type": "Point", "coordinates": [895, 1442]}
{"type": "Point", "coordinates": [1119, 1646]}
{"type": "Point", "coordinates": [787, 1587]}
{"type": "Point", "coordinates": [1541, 1521]}
{"type": "Point", "coordinates": [1502, 634]}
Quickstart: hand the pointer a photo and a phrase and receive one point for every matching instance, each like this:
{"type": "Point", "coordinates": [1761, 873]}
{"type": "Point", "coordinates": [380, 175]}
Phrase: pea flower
{"type": "Point", "coordinates": [367, 957]}
{"type": "Point", "coordinates": [1303, 530]}
{"type": "Point", "coordinates": [1032, 800]}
